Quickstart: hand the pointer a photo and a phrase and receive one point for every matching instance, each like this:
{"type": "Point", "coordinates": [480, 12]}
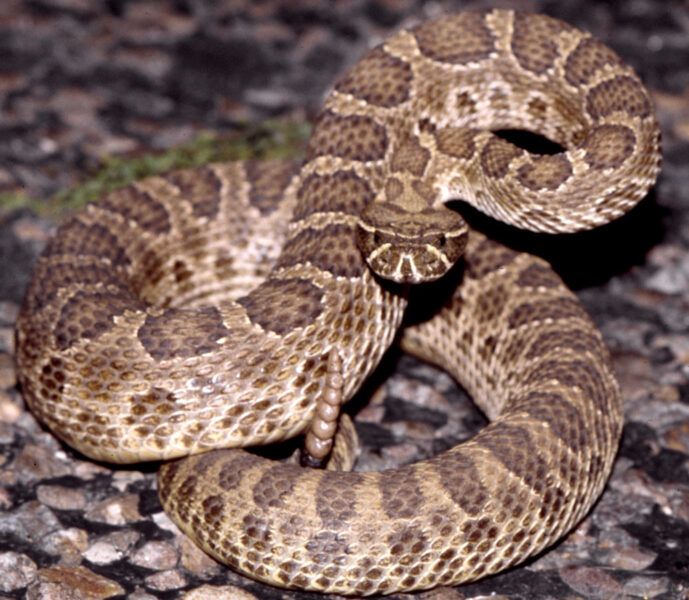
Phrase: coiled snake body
{"type": "Point", "coordinates": [198, 310]}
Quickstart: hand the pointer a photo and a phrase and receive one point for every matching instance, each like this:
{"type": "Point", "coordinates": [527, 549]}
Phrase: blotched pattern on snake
{"type": "Point", "coordinates": [199, 309]}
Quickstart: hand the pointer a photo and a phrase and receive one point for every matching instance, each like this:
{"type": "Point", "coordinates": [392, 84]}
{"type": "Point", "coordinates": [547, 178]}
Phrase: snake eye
{"type": "Point", "coordinates": [441, 241]}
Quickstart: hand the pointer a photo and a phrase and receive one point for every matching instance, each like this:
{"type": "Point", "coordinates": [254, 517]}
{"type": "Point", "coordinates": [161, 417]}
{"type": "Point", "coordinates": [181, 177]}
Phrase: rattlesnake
{"type": "Point", "coordinates": [199, 309]}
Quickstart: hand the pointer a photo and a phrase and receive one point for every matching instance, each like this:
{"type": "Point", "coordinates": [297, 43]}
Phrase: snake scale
{"type": "Point", "coordinates": [197, 310]}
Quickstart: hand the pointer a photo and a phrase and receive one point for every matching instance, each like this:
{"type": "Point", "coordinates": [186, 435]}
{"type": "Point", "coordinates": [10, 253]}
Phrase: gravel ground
{"type": "Point", "coordinates": [80, 80]}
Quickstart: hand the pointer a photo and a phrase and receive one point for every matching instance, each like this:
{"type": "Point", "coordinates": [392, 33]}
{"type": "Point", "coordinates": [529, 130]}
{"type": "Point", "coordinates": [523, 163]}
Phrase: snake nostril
{"type": "Point", "coordinates": [442, 241]}
{"type": "Point", "coordinates": [376, 238]}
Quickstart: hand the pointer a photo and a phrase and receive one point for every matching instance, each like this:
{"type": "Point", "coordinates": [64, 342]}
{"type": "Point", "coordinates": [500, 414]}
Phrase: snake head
{"type": "Point", "coordinates": [411, 247]}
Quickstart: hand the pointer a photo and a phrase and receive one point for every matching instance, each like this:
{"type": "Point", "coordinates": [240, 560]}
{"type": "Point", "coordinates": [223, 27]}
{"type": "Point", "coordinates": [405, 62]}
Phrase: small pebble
{"type": "Point", "coordinates": [82, 582]}
{"type": "Point", "coordinates": [16, 571]}
{"type": "Point", "coordinates": [60, 497]}
{"type": "Point", "coordinates": [166, 580]}
{"type": "Point", "coordinates": [118, 510]}
{"type": "Point", "coordinates": [8, 373]}
{"type": "Point", "coordinates": [646, 587]}
{"type": "Point", "coordinates": [155, 555]}
{"type": "Point", "coordinates": [218, 592]}
{"type": "Point", "coordinates": [102, 553]}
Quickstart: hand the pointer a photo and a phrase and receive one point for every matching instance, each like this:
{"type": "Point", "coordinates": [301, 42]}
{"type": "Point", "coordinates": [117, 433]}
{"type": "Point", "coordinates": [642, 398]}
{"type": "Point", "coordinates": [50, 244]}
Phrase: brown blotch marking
{"type": "Point", "coordinates": [407, 542]}
{"type": "Point", "coordinates": [533, 41]}
{"type": "Point", "coordinates": [410, 156]}
{"type": "Point", "coordinates": [424, 190]}
{"type": "Point", "coordinates": [491, 303]}
{"type": "Point", "coordinates": [180, 333]}
{"type": "Point", "coordinates": [200, 187]}
{"type": "Point", "coordinates": [563, 419]}
{"type": "Point", "coordinates": [332, 249]}
{"type": "Point", "coordinates": [343, 191]}
{"type": "Point", "coordinates": [466, 105]}
{"type": "Point", "coordinates": [88, 316]}
{"type": "Point", "coordinates": [323, 546]}
{"type": "Point", "coordinates": [576, 340]}
{"type": "Point", "coordinates": [622, 93]}
{"type": "Point", "coordinates": [142, 405]}
{"type": "Point", "coordinates": [77, 238]}
{"type": "Point", "coordinates": [336, 499]}
{"type": "Point", "coordinates": [538, 275]}
{"type": "Point", "coordinates": [545, 172]}
{"type": "Point", "coordinates": [255, 534]}
{"type": "Point", "coordinates": [477, 530]}
{"type": "Point", "coordinates": [379, 79]}
{"type": "Point", "coordinates": [268, 179]}
{"type": "Point", "coordinates": [497, 155]}
{"type": "Point", "coordinates": [49, 278]}
{"type": "Point", "coordinates": [587, 59]}
{"type": "Point", "coordinates": [489, 256]}
{"type": "Point", "coordinates": [458, 39]}
{"type": "Point", "coordinates": [166, 476]}
{"type": "Point", "coordinates": [276, 483]}
{"type": "Point", "coordinates": [393, 189]}
{"type": "Point", "coordinates": [608, 146]}
{"type": "Point", "coordinates": [401, 494]}
{"type": "Point", "coordinates": [456, 142]}
{"type": "Point", "coordinates": [560, 308]}
{"type": "Point", "coordinates": [571, 373]}
{"type": "Point", "coordinates": [513, 447]}
{"type": "Point", "coordinates": [537, 108]}
{"type": "Point", "coordinates": [138, 206]}
{"type": "Point", "coordinates": [212, 511]}
{"type": "Point", "coordinates": [354, 137]}
{"type": "Point", "coordinates": [182, 273]}
{"type": "Point", "coordinates": [460, 479]}
{"type": "Point", "coordinates": [281, 305]}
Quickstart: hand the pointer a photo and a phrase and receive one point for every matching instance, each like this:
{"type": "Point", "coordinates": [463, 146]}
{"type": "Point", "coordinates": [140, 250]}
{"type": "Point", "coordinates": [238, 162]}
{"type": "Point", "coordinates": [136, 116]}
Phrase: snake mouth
{"type": "Point", "coordinates": [407, 247]}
